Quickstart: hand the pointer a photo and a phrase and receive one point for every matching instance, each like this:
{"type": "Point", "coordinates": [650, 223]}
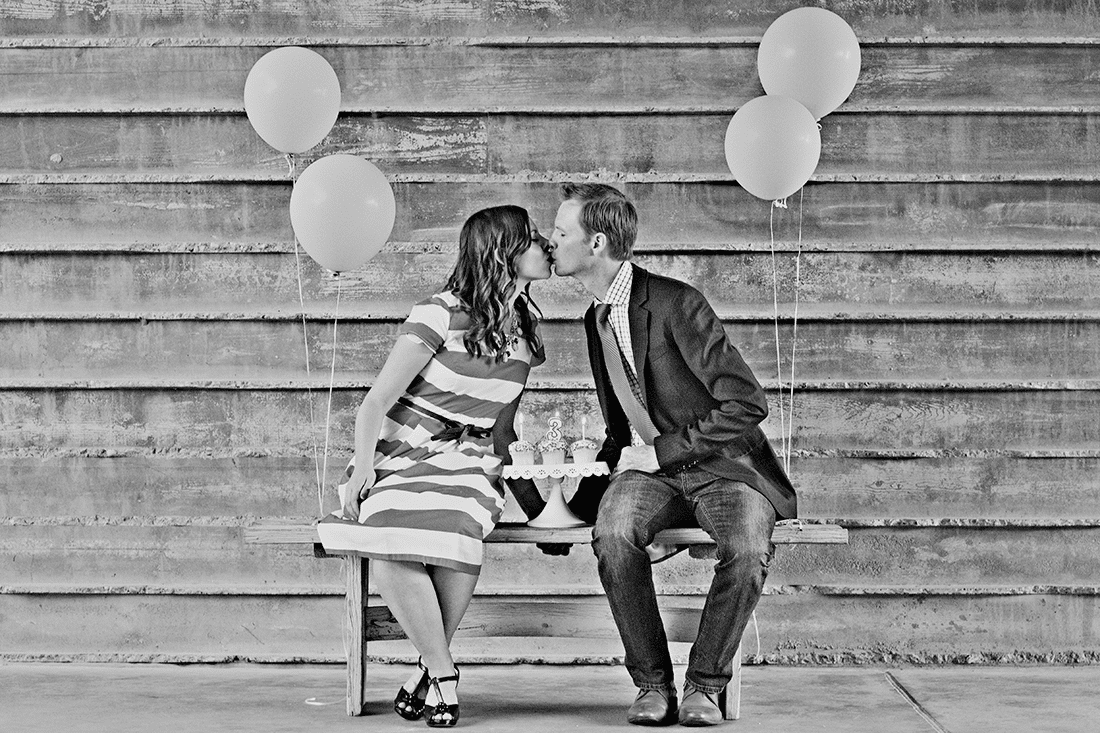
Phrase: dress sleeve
{"type": "Point", "coordinates": [428, 322]}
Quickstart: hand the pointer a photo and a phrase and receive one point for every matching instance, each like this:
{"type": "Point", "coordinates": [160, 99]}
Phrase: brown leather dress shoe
{"type": "Point", "coordinates": [700, 708]}
{"type": "Point", "coordinates": [653, 707]}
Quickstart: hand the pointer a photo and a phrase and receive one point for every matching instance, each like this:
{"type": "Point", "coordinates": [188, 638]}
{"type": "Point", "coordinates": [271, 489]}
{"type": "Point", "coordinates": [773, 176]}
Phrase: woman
{"type": "Point", "coordinates": [423, 489]}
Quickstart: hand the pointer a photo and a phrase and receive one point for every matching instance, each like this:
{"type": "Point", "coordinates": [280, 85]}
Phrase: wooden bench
{"type": "Point", "coordinates": [537, 616]}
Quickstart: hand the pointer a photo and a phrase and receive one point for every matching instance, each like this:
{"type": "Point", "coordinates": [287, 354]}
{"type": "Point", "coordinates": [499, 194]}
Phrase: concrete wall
{"type": "Point", "coordinates": [153, 393]}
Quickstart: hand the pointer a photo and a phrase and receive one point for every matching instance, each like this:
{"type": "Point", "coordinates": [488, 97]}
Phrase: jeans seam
{"type": "Point", "coordinates": [660, 509]}
{"type": "Point", "coordinates": [649, 518]}
{"type": "Point", "coordinates": [710, 521]}
{"type": "Point", "coordinates": [658, 687]}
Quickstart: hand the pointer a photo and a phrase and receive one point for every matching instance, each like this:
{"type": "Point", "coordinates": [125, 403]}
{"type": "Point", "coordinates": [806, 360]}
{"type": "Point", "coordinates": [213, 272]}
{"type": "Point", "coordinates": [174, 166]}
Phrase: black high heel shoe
{"type": "Point", "coordinates": [442, 715]}
{"type": "Point", "coordinates": [410, 705]}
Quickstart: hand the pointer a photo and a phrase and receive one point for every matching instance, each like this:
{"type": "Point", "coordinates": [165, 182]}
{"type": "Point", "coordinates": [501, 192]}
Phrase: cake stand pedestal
{"type": "Point", "coordinates": [556, 513]}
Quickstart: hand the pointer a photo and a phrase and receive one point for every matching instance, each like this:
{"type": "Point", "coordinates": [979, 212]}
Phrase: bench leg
{"type": "Point", "coordinates": [356, 640]}
{"type": "Point", "coordinates": [730, 699]}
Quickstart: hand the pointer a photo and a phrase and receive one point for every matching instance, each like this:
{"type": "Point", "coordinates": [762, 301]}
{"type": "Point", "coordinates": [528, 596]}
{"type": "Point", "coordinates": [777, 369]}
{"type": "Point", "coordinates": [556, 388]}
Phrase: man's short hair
{"type": "Point", "coordinates": [605, 209]}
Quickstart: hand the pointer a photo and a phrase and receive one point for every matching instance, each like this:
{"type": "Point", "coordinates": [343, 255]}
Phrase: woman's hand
{"type": "Point", "coordinates": [356, 489]}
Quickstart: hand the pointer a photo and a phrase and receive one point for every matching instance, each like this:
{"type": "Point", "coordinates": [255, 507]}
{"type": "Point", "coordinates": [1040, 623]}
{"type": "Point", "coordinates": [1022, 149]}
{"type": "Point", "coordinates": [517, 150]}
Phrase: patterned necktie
{"type": "Point", "coordinates": [628, 394]}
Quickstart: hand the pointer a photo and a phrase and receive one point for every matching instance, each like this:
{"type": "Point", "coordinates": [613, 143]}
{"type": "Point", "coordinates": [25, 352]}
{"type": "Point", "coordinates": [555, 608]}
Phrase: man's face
{"type": "Point", "coordinates": [570, 248]}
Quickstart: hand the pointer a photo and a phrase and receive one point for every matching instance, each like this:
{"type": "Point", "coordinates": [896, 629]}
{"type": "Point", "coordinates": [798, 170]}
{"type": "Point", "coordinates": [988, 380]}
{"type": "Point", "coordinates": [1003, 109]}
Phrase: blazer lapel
{"type": "Point", "coordinates": [639, 323]}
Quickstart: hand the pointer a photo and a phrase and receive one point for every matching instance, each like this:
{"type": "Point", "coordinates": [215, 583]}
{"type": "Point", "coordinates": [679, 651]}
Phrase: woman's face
{"type": "Point", "coordinates": [534, 263]}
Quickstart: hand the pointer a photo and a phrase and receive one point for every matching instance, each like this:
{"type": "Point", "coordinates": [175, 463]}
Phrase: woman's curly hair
{"type": "Point", "coordinates": [490, 243]}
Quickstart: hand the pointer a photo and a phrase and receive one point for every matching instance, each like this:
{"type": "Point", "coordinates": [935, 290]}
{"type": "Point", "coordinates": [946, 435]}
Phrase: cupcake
{"type": "Point", "coordinates": [552, 449]}
{"type": "Point", "coordinates": [522, 452]}
{"type": "Point", "coordinates": [584, 451]}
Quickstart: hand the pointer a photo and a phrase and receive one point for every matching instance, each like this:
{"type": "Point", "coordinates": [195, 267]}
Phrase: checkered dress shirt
{"type": "Point", "coordinates": [618, 297]}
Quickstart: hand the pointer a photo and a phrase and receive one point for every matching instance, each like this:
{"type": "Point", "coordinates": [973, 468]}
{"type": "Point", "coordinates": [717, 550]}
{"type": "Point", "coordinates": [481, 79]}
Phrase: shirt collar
{"type": "Point", "coordinates": [619, 292]}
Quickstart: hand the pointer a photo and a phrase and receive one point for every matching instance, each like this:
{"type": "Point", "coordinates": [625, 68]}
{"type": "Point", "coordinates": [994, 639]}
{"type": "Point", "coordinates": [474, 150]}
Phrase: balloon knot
{"type": "Point", "coordinates": [780, 203]}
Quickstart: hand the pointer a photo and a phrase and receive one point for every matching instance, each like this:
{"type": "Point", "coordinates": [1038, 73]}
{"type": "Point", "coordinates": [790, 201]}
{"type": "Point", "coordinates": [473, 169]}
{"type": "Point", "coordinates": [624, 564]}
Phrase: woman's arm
{"type": "Point", "coordinates": [504, 434]}
{"type": "Point", "coordinates": [408, 357]}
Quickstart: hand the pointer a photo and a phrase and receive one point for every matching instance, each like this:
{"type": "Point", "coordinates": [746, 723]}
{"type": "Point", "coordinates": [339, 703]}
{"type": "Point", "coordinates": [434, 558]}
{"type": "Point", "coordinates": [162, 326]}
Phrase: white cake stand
{"type": "Point", "coordinates": [556, 513]}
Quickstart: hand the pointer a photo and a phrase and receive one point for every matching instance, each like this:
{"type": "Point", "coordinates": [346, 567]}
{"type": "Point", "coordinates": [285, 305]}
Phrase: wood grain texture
{"type": "Point", "coordinates": [195, 217]}
{"type": "Point", "coordinates": [967, 487]}
{"type": "Point", "coordinates": [735, 283]}
{"type": "Point", "coordinates": [855, 146]}
{"type": "Point", "coordinates": [166, 628]}
{"type": "Point", "coordinates": [355, 601]}
{"type": "Point", "coordinates": [160, 485]}
{"type": "Point", "coordinates": [241, 423]}
{"type": "Point", "coordinates": [845, 349]}
{"type": "Point", "coordinates": [135, 556]}
{"type": "Point", "coordinates": [797, 628]}
{"type": "Point", "coordinates": [542, 78]}
{"type": "Point", "coordinates": [356, 19]}
{"type": "Point", "coordinates": [835, 486]}
{"type": "Point", "coordinates": [875, 556]}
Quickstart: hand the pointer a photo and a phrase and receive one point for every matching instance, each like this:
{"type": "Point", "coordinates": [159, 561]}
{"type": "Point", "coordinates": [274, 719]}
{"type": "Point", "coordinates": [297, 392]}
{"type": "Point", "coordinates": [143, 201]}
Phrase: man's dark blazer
{"type": "Point", "coordinates": [702, 397]}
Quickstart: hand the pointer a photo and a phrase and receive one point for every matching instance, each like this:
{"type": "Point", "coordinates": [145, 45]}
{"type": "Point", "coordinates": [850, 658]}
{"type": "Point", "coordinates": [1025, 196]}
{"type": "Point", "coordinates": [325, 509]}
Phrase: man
{"type": "Point", "coordinates": [682, 411]}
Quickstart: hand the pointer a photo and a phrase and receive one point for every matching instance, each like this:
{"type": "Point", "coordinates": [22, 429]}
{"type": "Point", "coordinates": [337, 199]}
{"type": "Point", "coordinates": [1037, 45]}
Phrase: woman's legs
{"type": "Point", "coordinates": [408, 592]}
{"type": "Point", "coordinates": [454, 591]}
{"type": "Point", "coordinates": [428, 602]}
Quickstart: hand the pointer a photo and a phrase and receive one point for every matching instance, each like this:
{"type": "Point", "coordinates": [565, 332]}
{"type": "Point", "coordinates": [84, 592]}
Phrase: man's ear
{"type": "Point", "coordinates": [599, 242]}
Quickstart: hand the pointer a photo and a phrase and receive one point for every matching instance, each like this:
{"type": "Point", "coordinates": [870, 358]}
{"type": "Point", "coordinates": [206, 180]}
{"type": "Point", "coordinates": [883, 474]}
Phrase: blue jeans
{"type": "Point", "coordinates": [739, 519]}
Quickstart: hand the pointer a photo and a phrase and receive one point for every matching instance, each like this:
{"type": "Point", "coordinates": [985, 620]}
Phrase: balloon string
{"type": "Point", "coordinates": [794, 332]}
{"type": "Point", "coordinates": [758, 657]}
{"type": "Point", "coordinates": [309, 385]}
{"type": "Point", "coordinates": [309, 371]}
{"type": "Point", "coordinates": [331, 377]}
{"type": "Point", "coordinates": [778, 361]}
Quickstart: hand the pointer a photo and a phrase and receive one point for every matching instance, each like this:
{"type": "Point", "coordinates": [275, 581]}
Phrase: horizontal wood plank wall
{"type": "Point", "coordinates": [153, 392]}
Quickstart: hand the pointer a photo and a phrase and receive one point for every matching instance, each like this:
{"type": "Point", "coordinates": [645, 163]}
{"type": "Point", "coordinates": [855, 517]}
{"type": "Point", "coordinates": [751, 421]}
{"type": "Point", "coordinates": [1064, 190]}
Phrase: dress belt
{"type": "Point", "coordinates": [451, 430]}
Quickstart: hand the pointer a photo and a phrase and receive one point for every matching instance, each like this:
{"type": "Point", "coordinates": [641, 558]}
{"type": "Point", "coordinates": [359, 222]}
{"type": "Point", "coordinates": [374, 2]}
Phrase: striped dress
{"type": "Point", "coordinates": [435, 498]}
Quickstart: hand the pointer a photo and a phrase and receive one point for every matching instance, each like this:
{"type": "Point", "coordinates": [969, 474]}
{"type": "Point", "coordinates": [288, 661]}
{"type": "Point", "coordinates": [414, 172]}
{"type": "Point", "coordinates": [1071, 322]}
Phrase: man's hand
{"type": "Point", "coordinates": [638, 458]}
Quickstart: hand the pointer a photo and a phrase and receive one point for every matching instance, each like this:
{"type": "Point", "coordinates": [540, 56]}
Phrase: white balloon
{"type": "Point", "coordinates": [292, 98]}
{"type": "Point", "coordinates": [773, 145]}
{"type": "Point", "coordinates": [812, 56]}
{"type": "Point", "coordinates": [342, 210]}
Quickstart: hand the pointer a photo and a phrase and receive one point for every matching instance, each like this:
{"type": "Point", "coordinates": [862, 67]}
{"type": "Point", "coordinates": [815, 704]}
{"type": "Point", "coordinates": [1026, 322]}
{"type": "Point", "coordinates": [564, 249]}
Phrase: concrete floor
{"type": "Point", "coordinates": [79, 698]}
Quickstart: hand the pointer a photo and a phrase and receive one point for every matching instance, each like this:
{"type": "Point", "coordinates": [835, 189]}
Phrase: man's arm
{"type": "Point", "coordinates": [701, 340]}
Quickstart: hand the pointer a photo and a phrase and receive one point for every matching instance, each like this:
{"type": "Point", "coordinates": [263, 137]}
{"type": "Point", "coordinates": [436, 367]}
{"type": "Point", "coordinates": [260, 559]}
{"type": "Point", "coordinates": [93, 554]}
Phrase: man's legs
{"type": "Point", "coordinates": [635, 507]}
{"type": "Point", "coordinates": [740, 520]}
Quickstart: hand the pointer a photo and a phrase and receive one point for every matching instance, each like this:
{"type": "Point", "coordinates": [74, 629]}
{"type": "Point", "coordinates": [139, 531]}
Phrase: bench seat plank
{"type": "Point", "coordinates": [304, 532]}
